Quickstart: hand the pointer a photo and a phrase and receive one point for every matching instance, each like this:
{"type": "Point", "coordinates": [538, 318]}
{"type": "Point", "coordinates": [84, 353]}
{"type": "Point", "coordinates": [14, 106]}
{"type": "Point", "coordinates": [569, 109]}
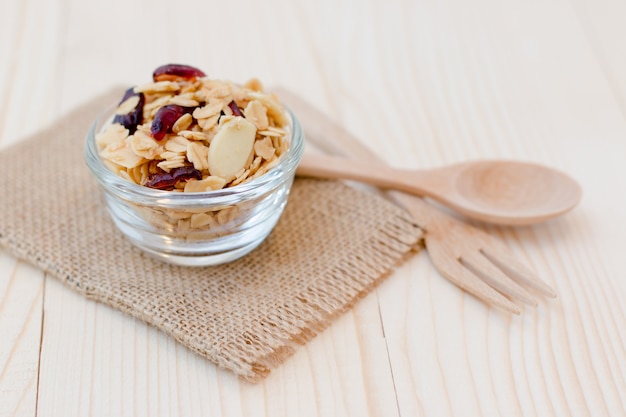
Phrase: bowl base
{"type": "Point", "coordinates": [211, 259]}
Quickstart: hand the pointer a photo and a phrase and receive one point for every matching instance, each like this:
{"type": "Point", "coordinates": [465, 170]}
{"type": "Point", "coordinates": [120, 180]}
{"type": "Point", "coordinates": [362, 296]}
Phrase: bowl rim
{"type": "Point", "coordinates": [125, 189]}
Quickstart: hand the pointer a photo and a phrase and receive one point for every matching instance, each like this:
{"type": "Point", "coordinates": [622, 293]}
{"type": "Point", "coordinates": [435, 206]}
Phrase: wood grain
{"type": "Point", "coordinates": [21, 320]}
{"type": "Point", "coordinates": [422, 83]}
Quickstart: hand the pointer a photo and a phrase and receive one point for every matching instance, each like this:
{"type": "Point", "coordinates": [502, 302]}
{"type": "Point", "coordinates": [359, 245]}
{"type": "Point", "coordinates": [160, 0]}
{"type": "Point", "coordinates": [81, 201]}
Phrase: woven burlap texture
{"type": "Point", "coordinates": [332, 246]}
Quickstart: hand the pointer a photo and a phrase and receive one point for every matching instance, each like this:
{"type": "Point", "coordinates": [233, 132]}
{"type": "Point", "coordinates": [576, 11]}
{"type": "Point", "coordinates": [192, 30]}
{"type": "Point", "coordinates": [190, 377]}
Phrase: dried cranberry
{"type": "Point", "coordinates": [168, 180]}
{"type": "Point", "coordinates": [165, 118]}
{"type": "Point", "coordinates": [236, 110]}
{"type": "Point", "coordinates": [172, 72]}
{"type": "Point", "coordinates": [135, 117]}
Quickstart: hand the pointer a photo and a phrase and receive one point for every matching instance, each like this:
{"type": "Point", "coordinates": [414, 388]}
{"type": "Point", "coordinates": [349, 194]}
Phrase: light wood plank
{"type": "Point", "coordinates": [11, 40]}
{"type": "Point", "coordinates": [30, 89]}
{"type": "Point", "coordinates": [603, 26]}
{"type": "Point", "coordinates": [21, 315]}
{"type": "Point", "coordinates": [25, 105]}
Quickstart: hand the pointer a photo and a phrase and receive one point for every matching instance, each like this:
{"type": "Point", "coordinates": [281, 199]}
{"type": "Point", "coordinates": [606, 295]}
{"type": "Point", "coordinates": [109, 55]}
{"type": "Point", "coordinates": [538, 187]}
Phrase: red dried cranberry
{"type": "Point", "coordinates": [168, 180]}
{"type": "Point", "coordinates": [165, 118]}
{"type": "Point", "coordinates": [172, 72]}
{"type": "Point", "coordinates": [135, 117]}
{"type": "Point", "coordinates": [236, 110]}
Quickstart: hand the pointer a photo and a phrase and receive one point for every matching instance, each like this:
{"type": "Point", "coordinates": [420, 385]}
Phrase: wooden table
{"type": "Point", "coordinates": [423, 83]}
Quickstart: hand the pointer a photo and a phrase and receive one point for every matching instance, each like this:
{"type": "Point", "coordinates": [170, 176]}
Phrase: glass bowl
{"type": "Point", "coordinates": [197, 229]}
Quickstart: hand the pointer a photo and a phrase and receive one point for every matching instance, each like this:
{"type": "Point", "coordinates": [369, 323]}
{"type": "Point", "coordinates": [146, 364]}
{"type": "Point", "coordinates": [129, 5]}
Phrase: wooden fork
{"type": "Point", "coordinates": [468, 257]}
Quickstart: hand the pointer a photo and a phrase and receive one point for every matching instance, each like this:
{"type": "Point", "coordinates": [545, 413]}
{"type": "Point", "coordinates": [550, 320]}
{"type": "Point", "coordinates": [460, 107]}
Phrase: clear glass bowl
{"type": "Point", "coordinates": [197, 229]}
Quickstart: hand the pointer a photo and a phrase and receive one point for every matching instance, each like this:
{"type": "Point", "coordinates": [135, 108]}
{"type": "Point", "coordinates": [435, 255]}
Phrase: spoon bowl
{"type": "Point", "coordinates": [494, 191]}
{"type": "Point", "coordinates": [512, 192]}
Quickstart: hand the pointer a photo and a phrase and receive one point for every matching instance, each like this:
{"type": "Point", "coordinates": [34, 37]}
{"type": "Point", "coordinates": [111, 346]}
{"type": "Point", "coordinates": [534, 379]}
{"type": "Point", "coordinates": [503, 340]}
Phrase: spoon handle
{"type": "Point", "coordinates": [421, 183]}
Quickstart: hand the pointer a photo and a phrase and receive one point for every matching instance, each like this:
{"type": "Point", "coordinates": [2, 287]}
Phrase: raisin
{"type": "Point", "coordinates": [135, 117]}
{"type": "Point", "coordinates": [168, 180]}
{"type": "Point", "coordinates": [236, 110]}
{"type": "Point", "coordinates": [172, 72]}
{"type": "Point", "coordinates": [165, 118]}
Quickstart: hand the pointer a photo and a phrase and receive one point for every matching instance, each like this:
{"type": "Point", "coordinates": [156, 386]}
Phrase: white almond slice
{"type": "Point", "coordinates": [127, 105]}
{"type": "Point", "coordinates": [231, 148]}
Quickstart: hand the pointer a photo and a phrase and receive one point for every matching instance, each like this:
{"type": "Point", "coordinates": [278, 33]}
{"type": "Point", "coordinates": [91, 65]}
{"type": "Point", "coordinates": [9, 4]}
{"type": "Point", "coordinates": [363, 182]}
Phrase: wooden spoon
{"type": "Point", "coordinates": [494, 191]}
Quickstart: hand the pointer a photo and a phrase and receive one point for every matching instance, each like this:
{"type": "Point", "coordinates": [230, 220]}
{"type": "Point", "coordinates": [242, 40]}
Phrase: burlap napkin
{"type": "Point", "coordinates": [331, 247]}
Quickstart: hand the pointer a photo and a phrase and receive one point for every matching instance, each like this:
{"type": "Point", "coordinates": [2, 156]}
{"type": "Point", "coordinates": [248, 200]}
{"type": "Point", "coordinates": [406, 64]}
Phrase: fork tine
{"type": "Point", "coordinates": [453, 271]}
{"type": "Point", "coordinates": [493, 276]}
{"type": "Point", "coordinates": [518, 271]}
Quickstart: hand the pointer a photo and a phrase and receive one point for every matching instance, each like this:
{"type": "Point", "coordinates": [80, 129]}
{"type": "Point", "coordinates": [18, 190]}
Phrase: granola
{"type": "Point", "coordinates": [183, 120]}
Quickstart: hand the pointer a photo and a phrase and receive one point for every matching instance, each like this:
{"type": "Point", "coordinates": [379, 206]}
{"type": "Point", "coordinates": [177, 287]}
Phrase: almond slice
{"type": "Point", "coordinates": [231, 148]}
{"type": "Point", "coordinates": [127, 105]}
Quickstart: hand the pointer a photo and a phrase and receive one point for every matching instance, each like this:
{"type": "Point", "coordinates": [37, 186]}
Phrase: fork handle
{"type": "Point", "coordinates": [426, 215]}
